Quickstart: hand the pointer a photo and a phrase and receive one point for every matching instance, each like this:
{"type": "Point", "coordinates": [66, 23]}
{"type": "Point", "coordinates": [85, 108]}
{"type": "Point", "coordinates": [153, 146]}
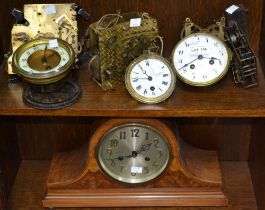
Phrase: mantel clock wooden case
{"type": "Point", "coordinates": [135, 162]}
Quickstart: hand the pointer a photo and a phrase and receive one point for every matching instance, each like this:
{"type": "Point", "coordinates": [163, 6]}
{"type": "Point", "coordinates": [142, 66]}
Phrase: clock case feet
{"type": "Point", "coordinates": [52, 96]}
{"type": "Point", "coordinates": [192, 179]}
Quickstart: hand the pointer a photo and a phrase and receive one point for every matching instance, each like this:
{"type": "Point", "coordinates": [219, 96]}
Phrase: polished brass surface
{"type": "Point", "coordinates": [43, 60]}
{"type": "Point", "coordinates": [117, 44]}
{"type": "Point", "coordinates": [134, 153]}
{"type": "Point", "coordinates": [61, 24]}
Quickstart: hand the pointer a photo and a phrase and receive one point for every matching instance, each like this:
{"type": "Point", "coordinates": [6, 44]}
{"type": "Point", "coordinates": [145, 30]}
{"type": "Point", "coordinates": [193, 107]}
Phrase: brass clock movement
{"type": "Point", "coordinates": [44, 20]}
{"type": "Point", "coordinates": [45, 63]}
{"type": "Point", "coordinates": [201, 58]}
{"type": "Point", "coordinates": [150, 79]}
{"type": "Point", "coordinates": [134, 162]}
{"type": "Point", "coordinates": [39, 62]}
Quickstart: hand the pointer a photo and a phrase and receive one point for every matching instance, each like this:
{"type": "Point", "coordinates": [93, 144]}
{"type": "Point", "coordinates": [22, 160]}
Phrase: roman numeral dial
{"type": "Point", "coordinates": [150, 79]}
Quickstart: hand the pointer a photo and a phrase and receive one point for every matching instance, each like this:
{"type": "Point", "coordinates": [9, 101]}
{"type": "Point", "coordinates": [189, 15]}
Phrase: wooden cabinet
{"type": "Point", "coordinates": [223, 117]}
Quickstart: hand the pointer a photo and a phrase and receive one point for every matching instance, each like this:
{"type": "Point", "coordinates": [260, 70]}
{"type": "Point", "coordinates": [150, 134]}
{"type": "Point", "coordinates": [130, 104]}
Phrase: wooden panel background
{"type": "Point", "coordinates": [257, 161]}
{"type": "Point", "coordinates": [39, 138]}
{"type": "Point", "coordinates": [9, 157]}
{"type": "Point", "coordinates": [229, 137]}
{"type": "Point", "coordinates": [170, 14]}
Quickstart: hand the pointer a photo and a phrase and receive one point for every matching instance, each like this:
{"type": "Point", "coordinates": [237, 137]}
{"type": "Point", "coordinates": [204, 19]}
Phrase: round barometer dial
{"type": "Point", "coordinates": [201, 59]}
{"type": "Point", "coordinates": [150, 79]}
{"type": "Point", "coordinates": [133, 153]}
{"type": "Point", "coordinates": [43, 60]}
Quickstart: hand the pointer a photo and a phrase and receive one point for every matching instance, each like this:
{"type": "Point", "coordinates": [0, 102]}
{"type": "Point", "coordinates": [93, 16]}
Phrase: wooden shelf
{"type": "Point", "coordinates": [224, 99]}
{"type": "Point", "coordinates": [29, 188]}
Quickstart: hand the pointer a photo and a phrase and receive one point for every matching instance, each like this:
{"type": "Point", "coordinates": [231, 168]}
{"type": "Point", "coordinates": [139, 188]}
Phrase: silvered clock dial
{"type": "Point", "coordinates": [133, 153]}
{"type": "Point", "coordinates": [201, 59]}
{"type": "Point", "coordinates": [150, 79]}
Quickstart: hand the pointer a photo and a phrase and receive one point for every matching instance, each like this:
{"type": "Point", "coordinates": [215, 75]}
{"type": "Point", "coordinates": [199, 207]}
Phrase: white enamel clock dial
{"type": "Point", "coordinates": [201, 59]}
{"type": "Point", "coordinates": [150, 79]}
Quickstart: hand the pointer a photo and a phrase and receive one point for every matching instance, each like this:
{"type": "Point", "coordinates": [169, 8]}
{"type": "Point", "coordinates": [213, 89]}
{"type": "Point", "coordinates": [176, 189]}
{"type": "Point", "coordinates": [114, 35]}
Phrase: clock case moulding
{"type": "Point", "coordinates": [193, 177]}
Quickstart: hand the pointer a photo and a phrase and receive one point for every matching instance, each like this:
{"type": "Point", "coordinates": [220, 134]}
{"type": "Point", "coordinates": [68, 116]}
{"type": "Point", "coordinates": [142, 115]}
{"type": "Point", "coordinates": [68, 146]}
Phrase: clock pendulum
{"type": "Point", "coordinates": [134, 162]}
{"type": "Point", "coordinates": [45, 64]}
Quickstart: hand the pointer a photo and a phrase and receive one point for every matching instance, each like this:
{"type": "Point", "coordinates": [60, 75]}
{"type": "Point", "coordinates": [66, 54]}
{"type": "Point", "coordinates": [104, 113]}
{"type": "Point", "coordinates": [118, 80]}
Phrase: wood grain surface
{"type": "Point", "coordinates": [29, 188]}
{"type": "Point", "coordinates": [223, 99]}
{"type": "Point", "coordinates": [170, 15]}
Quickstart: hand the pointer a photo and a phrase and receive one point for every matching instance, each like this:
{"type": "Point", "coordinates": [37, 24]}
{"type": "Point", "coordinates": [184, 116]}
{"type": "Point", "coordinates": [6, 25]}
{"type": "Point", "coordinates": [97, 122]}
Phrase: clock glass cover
{"type": "Point", "coordinates": [201, 59]}
{"type": "Point", "coordinates": [41, 62]}
{"type": "Point", "coordinates": [133, 153]}
{"type": "Point", "coordinates": [150, 79]}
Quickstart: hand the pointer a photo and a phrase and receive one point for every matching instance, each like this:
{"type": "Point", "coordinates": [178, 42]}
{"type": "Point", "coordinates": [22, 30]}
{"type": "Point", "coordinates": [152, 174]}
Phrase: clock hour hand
{"type": "Point", "coordinates": [198, 58]}
{"type": "Point", "coordinates": [213, 58]}
{"type": "Point", "coordinates": [134, 154]}
{"type": "Point", "coordinates": [44, 58]}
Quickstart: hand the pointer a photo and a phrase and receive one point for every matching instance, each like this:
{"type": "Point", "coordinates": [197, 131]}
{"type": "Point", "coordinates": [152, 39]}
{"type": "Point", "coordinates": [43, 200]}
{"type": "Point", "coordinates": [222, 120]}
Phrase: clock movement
{"type": "Point", "coordinates": [134, 162]}
{"type": "Point", "coordinates": [201, 59]}
{"type": "Point", "coordinates": [44, 64]}
{"type": "Point", "coordinates": [150, 79]}
{"type": "Point", "coordinates": [44, 20]}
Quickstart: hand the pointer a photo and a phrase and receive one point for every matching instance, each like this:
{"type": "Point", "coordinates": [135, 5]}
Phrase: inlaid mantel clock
{"type": "Point", "coordinates": [135, 162]}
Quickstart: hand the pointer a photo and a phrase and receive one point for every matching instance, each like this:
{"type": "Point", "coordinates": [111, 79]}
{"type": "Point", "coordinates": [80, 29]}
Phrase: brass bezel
{"type": "Point", "coordinates": [141, 98]}
{"type": "Point", "coordinates": [117, 177]}
{"type": "Point", "coordinates": [211, 82]}
{"type": "Point", "coordinates": [43, 78]}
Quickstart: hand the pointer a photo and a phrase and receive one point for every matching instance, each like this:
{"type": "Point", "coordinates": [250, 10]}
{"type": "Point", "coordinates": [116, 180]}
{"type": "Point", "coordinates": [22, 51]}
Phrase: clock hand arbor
{"type": "Point", "coordinates": [134, 154]}
{"type": "Point", "coordinates": [213, 58]}
{"type": "Point", "coordinates": [200, 57]}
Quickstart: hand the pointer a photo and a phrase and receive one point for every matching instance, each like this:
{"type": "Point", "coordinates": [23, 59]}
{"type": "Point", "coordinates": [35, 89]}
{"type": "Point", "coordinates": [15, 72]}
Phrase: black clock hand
{"type": "Point", "coordinates": [198, 58]}
{"type": "Point", "coordinates": [44, 58]}
{"type": "Point", "coordinates": [144, 72]}
{"type": "Point", "coordinates": [144, 147]}
{"type": "Point", "coordinates": [134, 154]}
{"type": "Point", "coordinates": [136, 78]}
{"type": "Point", "coordinates": [213, 58]}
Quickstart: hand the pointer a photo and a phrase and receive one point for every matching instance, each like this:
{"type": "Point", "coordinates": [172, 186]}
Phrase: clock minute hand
{"type": "Point", "coordinates": [134, 154]}
{"type": "Point", "coordinates": [198, 58]}
{"type": "Point", "coordinates": [144, 147]}
{"type": "Point", "coordinates": [44, 58]}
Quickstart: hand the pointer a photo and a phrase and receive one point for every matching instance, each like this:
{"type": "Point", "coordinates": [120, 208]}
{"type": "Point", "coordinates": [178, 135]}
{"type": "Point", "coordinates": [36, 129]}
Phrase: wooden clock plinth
{"type": "Point", "coordinates": [192, 179]}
